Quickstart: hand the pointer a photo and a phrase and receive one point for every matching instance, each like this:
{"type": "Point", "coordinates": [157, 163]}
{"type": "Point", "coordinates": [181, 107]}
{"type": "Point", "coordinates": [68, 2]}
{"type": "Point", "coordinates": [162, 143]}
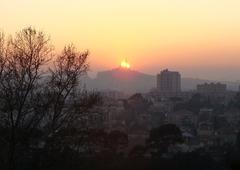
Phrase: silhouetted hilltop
{"type": "Point", "coordinates": [122, 79]}
{"type": "Point", "coordinates": [131, 81]}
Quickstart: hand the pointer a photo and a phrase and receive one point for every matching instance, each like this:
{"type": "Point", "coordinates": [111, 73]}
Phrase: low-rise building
{"type": "Point", "coordinates": [212, 89]}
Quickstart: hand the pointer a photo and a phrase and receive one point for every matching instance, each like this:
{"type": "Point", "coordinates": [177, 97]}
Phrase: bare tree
{"type": "Point", "coordinates": [2, 53]}
{"type": "Point", "coordinates": [37, 108]}
{"type": "Point", "coordinates": [21, 62]}
{"type": "Point", "coordinates": [68, 67]}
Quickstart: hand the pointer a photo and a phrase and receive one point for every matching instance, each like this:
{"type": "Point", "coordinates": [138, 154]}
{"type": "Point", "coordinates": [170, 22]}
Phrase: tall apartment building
{"type": "Point", "coordinates": [169, 83]}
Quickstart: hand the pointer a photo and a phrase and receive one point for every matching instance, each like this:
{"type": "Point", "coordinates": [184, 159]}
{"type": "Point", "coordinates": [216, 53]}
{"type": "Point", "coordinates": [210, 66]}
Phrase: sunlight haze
{"type": "Point", "coordinates": [199, 38]}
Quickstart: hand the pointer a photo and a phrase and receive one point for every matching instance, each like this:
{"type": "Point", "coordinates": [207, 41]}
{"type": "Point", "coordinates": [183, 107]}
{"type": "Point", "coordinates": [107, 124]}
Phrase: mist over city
{"type": "Point", "coordinates": [120, 85]}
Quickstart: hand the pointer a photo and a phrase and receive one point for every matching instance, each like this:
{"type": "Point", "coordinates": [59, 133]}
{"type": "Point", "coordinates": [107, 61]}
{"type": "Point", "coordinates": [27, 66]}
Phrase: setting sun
{"type": "Point", "coordinates": [125, 64]}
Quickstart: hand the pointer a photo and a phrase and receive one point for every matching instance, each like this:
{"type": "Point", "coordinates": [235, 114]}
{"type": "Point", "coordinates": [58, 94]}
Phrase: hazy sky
{"type": "Point", "coordinates": [200, 38]}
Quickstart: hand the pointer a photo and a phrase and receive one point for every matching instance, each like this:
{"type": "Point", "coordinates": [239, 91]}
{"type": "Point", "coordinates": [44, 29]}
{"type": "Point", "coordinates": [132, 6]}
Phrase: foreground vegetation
{"type": "Point", "coordinates": [44, 118]}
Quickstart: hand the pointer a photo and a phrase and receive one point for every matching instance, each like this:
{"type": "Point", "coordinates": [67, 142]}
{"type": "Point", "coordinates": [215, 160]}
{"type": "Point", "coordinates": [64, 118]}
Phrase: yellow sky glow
{"type": "Point", "coordinates": [152, 34]}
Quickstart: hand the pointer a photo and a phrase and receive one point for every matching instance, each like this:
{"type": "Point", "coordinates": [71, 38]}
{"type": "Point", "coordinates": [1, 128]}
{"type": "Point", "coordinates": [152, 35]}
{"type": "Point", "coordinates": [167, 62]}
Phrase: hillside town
{"type": "Point", "coordinates": [207, 117]}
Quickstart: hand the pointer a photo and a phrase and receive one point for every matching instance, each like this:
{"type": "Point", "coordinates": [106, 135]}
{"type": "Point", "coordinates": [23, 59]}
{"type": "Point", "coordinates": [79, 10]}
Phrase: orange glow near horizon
{"type": "Point", "coordinates": [157, 34]}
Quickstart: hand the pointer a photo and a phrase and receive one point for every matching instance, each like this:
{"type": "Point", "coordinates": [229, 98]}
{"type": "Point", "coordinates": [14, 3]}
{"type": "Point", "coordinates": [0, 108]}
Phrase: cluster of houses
{"type": "Point", "coordinates": [136, 115]}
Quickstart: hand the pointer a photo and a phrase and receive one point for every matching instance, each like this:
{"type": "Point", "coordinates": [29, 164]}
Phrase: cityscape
{"type": "Point", "coordinates": [207, 116]}
{"type": "Point", "coordinates": [119, 85]}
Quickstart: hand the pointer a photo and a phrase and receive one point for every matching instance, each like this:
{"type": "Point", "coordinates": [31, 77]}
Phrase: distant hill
{"type": "Point", "coordinates": [122, 79]}
{"type": "Point", "coordinates": [131, 81]}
